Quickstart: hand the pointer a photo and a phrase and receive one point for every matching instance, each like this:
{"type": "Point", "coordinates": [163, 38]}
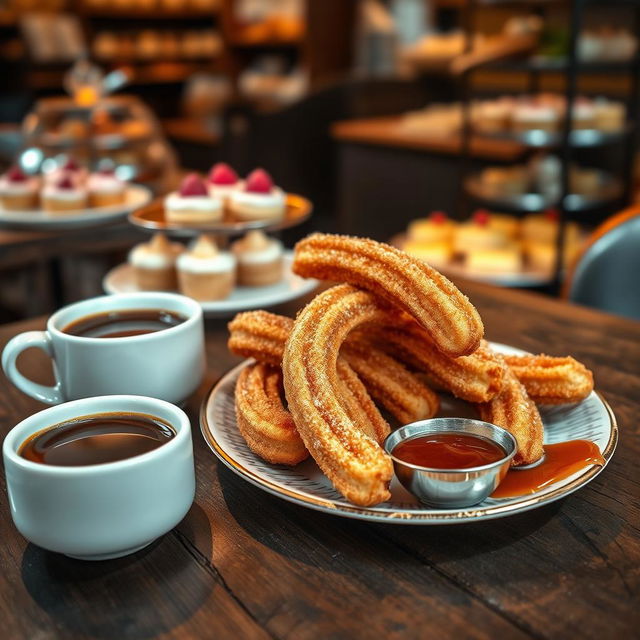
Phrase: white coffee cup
{"type": "Point", "coordinates": [101, 511]}
{"type": "Point", "coordinates": [167, 364]}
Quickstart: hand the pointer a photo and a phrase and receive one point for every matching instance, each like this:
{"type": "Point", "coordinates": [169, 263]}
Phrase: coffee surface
{"type": "Point", "coordinates": [123, 323]}
{"type": "Point", "coordinates": [97, 439]}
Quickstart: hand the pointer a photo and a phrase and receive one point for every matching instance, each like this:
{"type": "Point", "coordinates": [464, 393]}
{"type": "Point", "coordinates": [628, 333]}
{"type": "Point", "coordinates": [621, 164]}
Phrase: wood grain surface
{"type": "Point", "coordinates": [245, 564]}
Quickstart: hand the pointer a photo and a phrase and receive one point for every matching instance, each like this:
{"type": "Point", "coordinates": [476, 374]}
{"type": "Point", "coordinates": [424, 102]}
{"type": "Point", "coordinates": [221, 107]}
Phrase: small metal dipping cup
{"type": "Point", "coordinates": [451, 488]}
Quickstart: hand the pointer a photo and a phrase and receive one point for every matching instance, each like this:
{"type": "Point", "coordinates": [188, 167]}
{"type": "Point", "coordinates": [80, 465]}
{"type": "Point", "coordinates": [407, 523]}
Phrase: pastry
{"type": "Point", "coordinates": [508, 181]}
{"type": "Point", "coordinates": [259, 259]}
{"type": "Point", "coordinates": [513, 410]}
{"type": "Point", "coordinates": [507, 259]}
{"type": "Point", "coordinates": [505, 224]}
{"type": "Point", "coordinates": [154, 264]}
{"type": "Point", "coordinates": [493, 116]}
{"type": "Point", "coordinates": [436, 228]}
{"type": "Point", "coordinates": [435, 253]}
{"type": "Point", "coordinates": [18, 191]}
{"type": "Point", "coordinates": [476, 234]}
{"type": "Point", "coordinates": [106, 189]}
{"type": "Point", "coordinates": [192, 203]}
{"type": "Point", "coordinates": [223, 181]}
{"type": "Point", "coordinates": [71, 169]}
{"type": "Point", "coordinates": [263, 421]}
{"type": "Point", "coordinates": [528, 116]}
{"type": "Point", "coordinates": [609, 116]}
{"type": "Point", "coordinates": [583, 114]}
{"type": "Point", "coordinates": [412, 285]}
{"type": "Point", "coordinates": [204, 272]}
{"type": "Point", "coordinates": [550, 380]}
{"type": "Point", "coordinates": [64, 195]}
{"type": "Point", "coordinates": [259, 199]}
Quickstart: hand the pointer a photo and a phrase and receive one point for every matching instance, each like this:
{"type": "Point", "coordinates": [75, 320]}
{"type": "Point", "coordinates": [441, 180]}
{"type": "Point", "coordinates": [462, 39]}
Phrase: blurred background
{"type": "Point", "coordinates": [491, 138]}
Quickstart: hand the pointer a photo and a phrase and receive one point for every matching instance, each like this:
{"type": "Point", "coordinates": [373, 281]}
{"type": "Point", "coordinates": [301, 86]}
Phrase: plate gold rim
{"type": "Point", "coordinates": [400, 517]}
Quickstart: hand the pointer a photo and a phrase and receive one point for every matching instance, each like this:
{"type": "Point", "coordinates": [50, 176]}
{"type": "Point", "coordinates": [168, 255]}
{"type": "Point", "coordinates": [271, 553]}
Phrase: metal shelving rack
{"type": "Point", "coordinates": [568, 205]}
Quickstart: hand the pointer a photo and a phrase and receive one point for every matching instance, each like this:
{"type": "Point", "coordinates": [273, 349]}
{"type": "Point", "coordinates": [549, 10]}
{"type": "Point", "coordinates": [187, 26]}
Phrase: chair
{"type": "Point", "coordinates": [606, 276]}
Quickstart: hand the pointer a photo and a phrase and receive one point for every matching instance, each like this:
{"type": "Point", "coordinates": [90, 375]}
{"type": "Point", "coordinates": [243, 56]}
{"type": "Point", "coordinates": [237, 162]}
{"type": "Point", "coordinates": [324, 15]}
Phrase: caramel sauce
{"type": "Point", "coordinates": [561, 460]}
{"type": "Point", "coordinates": [96, 439]}
{"type": "Point", "coordinates": [449, 450]}
{"type": "Point", "coordinates": [123, 323]}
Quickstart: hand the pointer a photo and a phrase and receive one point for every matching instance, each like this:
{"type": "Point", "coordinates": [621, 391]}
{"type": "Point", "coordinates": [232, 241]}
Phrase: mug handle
{"type": "Point", "coordinates": [13, 348]}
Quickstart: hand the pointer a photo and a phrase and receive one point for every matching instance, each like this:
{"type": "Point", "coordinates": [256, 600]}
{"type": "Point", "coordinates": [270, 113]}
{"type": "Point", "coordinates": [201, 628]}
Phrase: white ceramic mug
{"type": "Point", "coordinates": [166, 364]}
{"type": "Point", "coordinates": [101, 511]}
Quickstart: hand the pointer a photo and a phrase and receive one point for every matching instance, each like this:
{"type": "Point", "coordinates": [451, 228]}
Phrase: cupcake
{"type": "Point", "coordinates": [154, 264]}
{"type": "Point", "coordinates": [583, 114]}
{"type": "Point", "coordinates": [437, 253]}
{"type": "Point", "coordinates": [527, 117]}
{"type": "Point", "coordinates": [507, 260]}
{"type": "Point", "coordinates": [505, 224]}
{"type": "Point", "coordinates": [192, 203]}
{"type": "Point", "coordinates": [223, 181]}
{"type": "Point", "coordinates": [106, 189]}
{"type": "Point", "coordinates": [259, 259]}
{"type": "Point", "coordinates": [64, 196]}
{"type": "Point", "coordinates": [204, 272]}
{"type": "Point", "coordinates": [609, 115]}
{"type": "Point", "coordinates": [507, 181]}
{"type": "Point", "coordinates": [70, 168]}
{"type": "Point", "coordinates": [436, 228]}
{"type": "Point", "coordinates": [477, 234]}
{"type": "Point", "coordinates": [18, 191]}
{"type": "Point", "coordinates": [543, 228]}
{"type": "Point", "coordinates": [259, 200]}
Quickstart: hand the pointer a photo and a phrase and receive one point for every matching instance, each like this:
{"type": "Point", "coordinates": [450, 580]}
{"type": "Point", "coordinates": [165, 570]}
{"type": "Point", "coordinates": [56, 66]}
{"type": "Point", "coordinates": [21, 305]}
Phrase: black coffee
{"type": "Point", "coordinates": [123, 323]}
{"type": "Point", "coordinates": [97, 439]}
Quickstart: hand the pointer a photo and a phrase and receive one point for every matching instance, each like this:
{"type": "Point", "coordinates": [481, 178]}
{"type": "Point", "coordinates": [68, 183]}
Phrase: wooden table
{"type": "Point", "coordinates": [245, 564]}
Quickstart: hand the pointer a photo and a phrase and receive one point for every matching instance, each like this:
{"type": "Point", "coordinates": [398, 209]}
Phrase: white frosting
{"type": "Point", "coordinates": [271, 252]}
{"type": "Point", "coordinates": [19, 188]}
{"type": "Point", "coordinates": [530, 112]}
{"type": "Point", "coordinates": [51, 191]}
{"type": "Point", "coordinates": [204, 257]}
{"type": "Point", "coordinates": [223, 191]}
{"type": "Point", "coordinates": [176, 202]}
{"type": "Point", "coordinates": [276, 198]}
{"type": "Point", "coordinates": [583, 111]}
{"type": "Point", "coordinates": [159, 253]}
{"type": "Point", "coordinates": [105, 183]}
{"type": "Point", "coordinates": [78, 177]}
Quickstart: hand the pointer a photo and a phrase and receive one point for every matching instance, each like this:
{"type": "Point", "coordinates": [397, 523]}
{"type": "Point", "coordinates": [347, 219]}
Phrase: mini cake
{"type": "Point", "coordinates": [505, 260]}
{"type": "Point", "coordinates": [507, 181]}
{"type": "Point", "coordinates": [543, 227]}
{"type": "Point", "coordinates": [436, 228]}
{"type": "Point", "coordinates": [223, 181]}
{"type": "Point", "coordinates": [477, 234]}
{"type": "Point", "coordinates": [503, 223]}
{"type": "Point", "coordinates": [64, 196]}
{"type": "Point", "coordinates": [530, 116]}
{"type": "Point", "coordinates": [493, 116]}
{"type": "Point", "coordinates": [106, 189]}
{"type": "Point", "coordinates": [70, 168]}
{"type": "Point", "coordinates": [583, 114]}
{"type": "Point", "coordinates": [541, 256]}
{"type": "Point", "coordinates": [204, 272]}
{"type": "Point", "coordinates": [437, 253]}
{"type": "Point", "coordinates": [154, 264]}
{"type": "Point", "coordinates": [192, 203]}
{"type": "Point", "coordinates": [259, 200]}
{"type": "Point", "coordinates": [18, 191]}
{"type": "Point", "coordinates": [609, 116]}
{"type": "Point", "coordinates": [259, 259]}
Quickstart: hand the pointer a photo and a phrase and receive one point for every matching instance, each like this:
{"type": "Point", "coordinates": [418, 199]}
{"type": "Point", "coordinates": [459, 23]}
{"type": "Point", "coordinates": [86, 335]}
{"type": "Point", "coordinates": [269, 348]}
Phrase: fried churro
{"type": "Point", "coordinates": [433, 301]}
{"type": "Point", "coordinates": [550, 380]}
{"type": "Point", "coordinates": [264, 423]}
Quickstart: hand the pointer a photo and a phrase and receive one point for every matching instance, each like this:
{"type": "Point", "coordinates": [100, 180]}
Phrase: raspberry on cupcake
{"type": "Point", "coordinates": [223, 181]}
{"type": "Point", "coordinates": [71, 169]}
{"type": "Point", "coordinates": [64, 196]}
{"type": "Point", "coordinates": [18, 191]}
{"type": "Point", "coordinates": [192, 203]}
{"type": "Point", "coordinates": [260, 199]}
{"type": "Point", "coordinates": [259, 259]}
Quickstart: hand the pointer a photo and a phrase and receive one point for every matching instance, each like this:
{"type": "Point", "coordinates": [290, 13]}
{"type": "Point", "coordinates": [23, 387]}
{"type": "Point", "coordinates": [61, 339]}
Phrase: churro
{"type": "Point", "coordinates": [433, 301]}
{"type": "Point", "coordinates": [550, 380]}
{"type": "Point", "coordinates": [264, 423]}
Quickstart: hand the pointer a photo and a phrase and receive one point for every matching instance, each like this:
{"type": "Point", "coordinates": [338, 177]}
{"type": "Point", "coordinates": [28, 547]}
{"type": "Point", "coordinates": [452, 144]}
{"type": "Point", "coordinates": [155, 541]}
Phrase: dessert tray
{"type": "Point", "coordinates": [152, 218]}
{"type": "Point", "coordinates": [121, 280]}
{"type": "Point", "coordinates": [305, 485]}
{"type": "Point", "coordinates": [38, 219]}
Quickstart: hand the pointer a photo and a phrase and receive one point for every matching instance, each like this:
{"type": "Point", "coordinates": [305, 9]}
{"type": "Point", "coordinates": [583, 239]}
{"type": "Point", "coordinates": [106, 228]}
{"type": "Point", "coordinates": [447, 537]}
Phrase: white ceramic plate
{"type": "Point", "coordinates": [136, 196]}
{"type": "Point", "coordinates": [306, 485]}
{"type": "Point", "coordinates": [121, 280]}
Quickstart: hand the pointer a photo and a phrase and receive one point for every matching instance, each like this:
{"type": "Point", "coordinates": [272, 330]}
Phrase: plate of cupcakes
{"type": "Point", "coordinates": [67, 197]}
{"type": "Point", "coordinates": [254, 272]}
{"type": "Point", "coordinates": [223, 203]}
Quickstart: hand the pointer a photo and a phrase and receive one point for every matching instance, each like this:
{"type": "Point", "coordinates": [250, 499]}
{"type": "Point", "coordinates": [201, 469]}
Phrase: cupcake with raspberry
{"type": "Point", "coordinates": [223, 181]}
{"type": "Point", "coordinates": [64, 196]}
{"type": "Point", "coordinates": [192, 203]}
{"type": "Point", "coordinates": [259, 200]}
{"type": "Point", "coordinates": [18, 191]}
{"type": "Point", "coordinates": [75, 172]}
{"type": "Point", "coordinates": [105, 188]}
{"type": "Point", "coordinates": [259, 259]}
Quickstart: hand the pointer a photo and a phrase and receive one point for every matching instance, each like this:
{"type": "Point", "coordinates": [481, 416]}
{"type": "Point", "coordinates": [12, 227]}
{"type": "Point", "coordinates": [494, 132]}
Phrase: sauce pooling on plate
{"type": "Point", "coordinates": [560, 461]}
{"type": "Point", "coordinates": [449, 450]}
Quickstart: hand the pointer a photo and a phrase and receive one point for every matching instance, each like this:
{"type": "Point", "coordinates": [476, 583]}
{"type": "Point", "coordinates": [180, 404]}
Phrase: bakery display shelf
{"type": "Point", "coordinates": [150, 14]}
{"type": "Point", "coordinates": [152, 218]}
{"type": "Point", "coordinates": [610, 190]}
{"type": "Point", "coordinates": [549, 64]}
{"type": "Point", "coordinates": [103, 142]}
{"type": "Point", "coordinates": [541, 139]}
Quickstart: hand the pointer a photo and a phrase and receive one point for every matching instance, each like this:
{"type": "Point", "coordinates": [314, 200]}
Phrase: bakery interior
{"type": "Point", "coordinates": [439, 126]}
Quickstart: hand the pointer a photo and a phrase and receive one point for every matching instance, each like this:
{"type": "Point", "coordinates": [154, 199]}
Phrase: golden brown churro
{"type": "Point", "coordinates": [550, 380]}
{"type": "Point", "coordinates": [433, 301]}
{"type": "Point", "coordinates": [264, 423]}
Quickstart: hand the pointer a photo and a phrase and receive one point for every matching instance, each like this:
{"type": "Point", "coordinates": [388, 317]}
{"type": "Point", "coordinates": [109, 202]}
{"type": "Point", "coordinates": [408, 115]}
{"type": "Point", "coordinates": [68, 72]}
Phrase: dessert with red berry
{"type": "Point", "coordinates": [105, 188]}
{"type": "Point", "coordinates": [193, 203]}
{"type": "Point", "coordinates": [223, 181]}
{"type": "Point", "coordinates": [260, 199]}
{"type": "Point", "coordinates": [69, 168]}
{"type": "Point", "coordinates": [18, 191]}
{"type": "Point", "coordinates": [478, 233]}
{"type": "Point", "coordinates": [438, 227]}
{"type": "Point", "coordinates": [64, 196]}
